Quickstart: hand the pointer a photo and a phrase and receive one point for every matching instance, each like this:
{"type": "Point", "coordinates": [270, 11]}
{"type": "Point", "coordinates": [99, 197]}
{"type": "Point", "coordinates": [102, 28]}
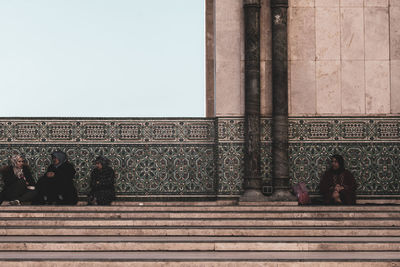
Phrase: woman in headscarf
{"type": "Point", "coordinates": [338, 185]}
{"type": "Point", "coordinates": [19, 186]}
{"type": "Point", "coordinates": [57, 185]}
{"type": "Point", "coordinates": [102, 190]}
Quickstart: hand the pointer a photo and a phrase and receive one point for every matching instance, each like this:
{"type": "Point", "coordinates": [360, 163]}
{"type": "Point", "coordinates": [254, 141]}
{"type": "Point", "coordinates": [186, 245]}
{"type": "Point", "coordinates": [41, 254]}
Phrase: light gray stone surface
{"type": "Point", "coordinates": [353, 87]}
{"type": "Point", "coordinates": [302, 87]}
{"type": "Point", "coordinates": [328, 87]}
{"type": "Point", "coordinates": [351, 3]}
{"type": "Point", "coordinates": [376, 3]}
{"type": "Point", "coordinates": [352, 33]}
{"type": "Point", "coordinates": [376, 33]}
{"type": "Point", "coordinates": [395, 31]}
{"type": "Point", "coordinates": [302, 34]}
{"type": "Point", "coordinates": [377, 87]}
{"type": "Point", "coordinates": [395, 86]}
{"type": "Point", "coordinates": [228, 55]}
{"type": "Point", "coordinates": [327, 3]}
{"type": "Point", "coordinates": [327, 26]}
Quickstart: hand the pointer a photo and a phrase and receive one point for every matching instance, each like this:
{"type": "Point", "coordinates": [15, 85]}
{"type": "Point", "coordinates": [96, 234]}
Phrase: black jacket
{"type": "Point", "coordinates": [15, 187]}
{"type": "Point", "coordinates": [62, 184]}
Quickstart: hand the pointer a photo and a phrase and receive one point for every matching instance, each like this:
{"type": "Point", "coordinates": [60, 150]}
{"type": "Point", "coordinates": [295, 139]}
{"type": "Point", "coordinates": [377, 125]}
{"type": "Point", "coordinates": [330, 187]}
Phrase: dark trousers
{"type": "Point", "coordinates": [28, 196]}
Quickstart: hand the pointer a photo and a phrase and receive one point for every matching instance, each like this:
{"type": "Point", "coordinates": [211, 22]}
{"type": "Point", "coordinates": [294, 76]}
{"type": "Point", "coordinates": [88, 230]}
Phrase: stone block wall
{"type": "Point", "coordinates": [344, 57]}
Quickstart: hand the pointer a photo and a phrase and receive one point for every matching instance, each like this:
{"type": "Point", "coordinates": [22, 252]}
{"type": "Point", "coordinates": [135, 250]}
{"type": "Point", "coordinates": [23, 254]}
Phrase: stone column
{"type": "Point", "coordinates": [252, 179]}
{"type": "Point", "coordinates": [280, 159]}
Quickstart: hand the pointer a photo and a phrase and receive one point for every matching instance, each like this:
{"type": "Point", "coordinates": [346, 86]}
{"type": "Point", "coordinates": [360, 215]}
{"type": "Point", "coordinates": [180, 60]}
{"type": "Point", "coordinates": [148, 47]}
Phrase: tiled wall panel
{"type": "Point", "coordinates": [205, 157]}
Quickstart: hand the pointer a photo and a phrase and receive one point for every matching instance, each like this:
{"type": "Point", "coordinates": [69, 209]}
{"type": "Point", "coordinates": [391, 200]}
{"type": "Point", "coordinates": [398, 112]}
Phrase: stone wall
{"type": "Point", "coordinates": [344, 57]}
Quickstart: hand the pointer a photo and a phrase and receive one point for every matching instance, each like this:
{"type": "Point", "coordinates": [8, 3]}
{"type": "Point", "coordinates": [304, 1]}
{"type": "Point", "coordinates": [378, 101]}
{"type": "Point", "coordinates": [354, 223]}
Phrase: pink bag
{"type": "Point", "coordinates": [301, 192]}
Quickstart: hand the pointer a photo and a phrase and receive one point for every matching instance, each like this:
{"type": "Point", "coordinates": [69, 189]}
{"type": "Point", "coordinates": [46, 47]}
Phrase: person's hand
{"type": "Point", "coordinates": [336, 197]}
{"type": "Point", "coordinates": [339, 188]}
{"type": "Point", "coordinates": [50, 174]}
{"type": "Point", "coordinates": [30, 187]}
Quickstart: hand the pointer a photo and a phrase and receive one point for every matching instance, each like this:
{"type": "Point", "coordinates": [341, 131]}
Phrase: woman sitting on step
{"type": "Point", "coordinates": [19, 186]}
{"type": "Point", "coordinates": [102, 190]}
{"type": "Point", "coordinates": [338, 185]}
{"type": "Point", "coordinates": [57, 185]}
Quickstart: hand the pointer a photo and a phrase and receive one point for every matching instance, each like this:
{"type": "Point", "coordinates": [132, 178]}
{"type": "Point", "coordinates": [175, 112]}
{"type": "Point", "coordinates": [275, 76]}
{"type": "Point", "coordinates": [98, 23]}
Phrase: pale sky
{"type": "Point", "coordinates": [102, 58]}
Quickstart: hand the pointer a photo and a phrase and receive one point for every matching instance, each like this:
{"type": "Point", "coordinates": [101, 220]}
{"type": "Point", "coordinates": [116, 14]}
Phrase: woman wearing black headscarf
{"type": "Point", "coordinates": [338, 185]}
{"type": "Point", "coordinates": [57, 185]}
{"type": "Point", "coordinates": [102, 190]}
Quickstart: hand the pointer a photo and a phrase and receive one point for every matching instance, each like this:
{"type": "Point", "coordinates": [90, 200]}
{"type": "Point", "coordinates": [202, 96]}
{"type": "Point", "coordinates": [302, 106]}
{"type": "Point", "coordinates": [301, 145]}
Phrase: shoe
{"type": "Point", "coordinates": [15, 202]}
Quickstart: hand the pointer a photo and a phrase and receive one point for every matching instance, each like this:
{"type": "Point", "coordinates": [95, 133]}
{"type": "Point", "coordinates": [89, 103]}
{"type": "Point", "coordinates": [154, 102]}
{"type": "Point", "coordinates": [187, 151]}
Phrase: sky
{"type": "Point", "coordinates": [102, 58]}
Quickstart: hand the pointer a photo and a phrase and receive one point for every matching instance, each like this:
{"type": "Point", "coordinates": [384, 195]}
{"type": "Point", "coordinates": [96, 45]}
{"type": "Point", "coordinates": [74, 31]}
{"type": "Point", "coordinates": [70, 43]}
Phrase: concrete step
{"type": "Point", "coordinates": [202, 231]}
{"type": "Point", "coordinates": [186, 208]}
{"type": "Point", "coordinates": [199, 263]}
{"type": "Point", "coordinates": [194, 222]}
{"type": "Point", "coordinates": [202, 258]}
{"type": "Point", "coordinates": [200, 235]}
{"type": "Point", "coordinates": [176, 243]}
{"type": "Point", "coordinates": [200, 215]}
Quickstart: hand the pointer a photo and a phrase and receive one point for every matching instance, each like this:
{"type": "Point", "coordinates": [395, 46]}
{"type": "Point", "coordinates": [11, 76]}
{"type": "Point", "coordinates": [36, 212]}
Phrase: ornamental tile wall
{"type": "Point", "coordinates": [370, 147]}
{"type": "Point", "coordinates": [150, 156]}
{"type": "Point", "coordinates": [204, 157]}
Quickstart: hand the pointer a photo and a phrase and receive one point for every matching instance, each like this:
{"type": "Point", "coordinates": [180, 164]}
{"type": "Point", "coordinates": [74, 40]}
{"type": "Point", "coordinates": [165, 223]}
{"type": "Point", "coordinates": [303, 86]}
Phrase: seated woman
{"type": "Point", "coordinates": [19, 186]}
{"type": "Point", "coordinates": [57, 185]}
{"type": "Point", "coordinates": [338, 185]}
{"type": "Point", "coordinates": [102, 190]}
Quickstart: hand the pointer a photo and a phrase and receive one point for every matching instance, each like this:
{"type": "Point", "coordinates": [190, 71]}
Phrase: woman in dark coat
{"type": "Point", "coordinates": [338, 185]}
{"type": "Point", "coordinates": [19, 186]}
{"type": "Point", "coordinates": [57, 185]}
{"type": "Point", "coordinates": [102, 190]}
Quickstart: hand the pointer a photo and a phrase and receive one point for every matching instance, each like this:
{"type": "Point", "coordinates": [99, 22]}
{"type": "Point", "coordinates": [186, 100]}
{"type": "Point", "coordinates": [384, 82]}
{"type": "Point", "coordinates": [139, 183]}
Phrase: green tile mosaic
{"type": "Point", "coordinates": [179, 156]}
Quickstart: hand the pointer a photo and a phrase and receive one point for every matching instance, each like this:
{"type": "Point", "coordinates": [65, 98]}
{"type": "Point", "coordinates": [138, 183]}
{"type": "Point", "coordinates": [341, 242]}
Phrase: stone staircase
{"type": "Point", "coordinates": [200, 234]}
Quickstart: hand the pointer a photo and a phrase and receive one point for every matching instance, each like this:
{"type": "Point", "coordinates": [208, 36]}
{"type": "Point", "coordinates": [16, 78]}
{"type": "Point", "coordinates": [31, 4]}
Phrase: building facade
{"type": "Point", "coordinates": [263, 131]}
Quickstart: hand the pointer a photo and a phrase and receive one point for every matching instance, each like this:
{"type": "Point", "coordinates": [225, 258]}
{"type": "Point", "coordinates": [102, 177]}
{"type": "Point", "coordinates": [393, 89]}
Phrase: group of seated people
{"type": "Point", "coordinates": [56, 186]}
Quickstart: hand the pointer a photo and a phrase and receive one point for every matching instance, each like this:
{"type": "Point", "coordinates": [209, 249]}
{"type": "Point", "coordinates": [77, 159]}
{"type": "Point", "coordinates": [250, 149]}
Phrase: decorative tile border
{"type": "Point", "coordinates": [351, 129]}
{"type": "Point", "coordinates": [106, 131]}
{"type": "Point", "coordinates": [230, 130]}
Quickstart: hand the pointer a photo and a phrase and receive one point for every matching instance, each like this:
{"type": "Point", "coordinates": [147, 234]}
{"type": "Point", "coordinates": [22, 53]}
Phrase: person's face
{"type": "Point", "coordinates": [99, 166]}
{"type": "Point", "coordinates": [335, 164]}
{"type": "Point", "coordinates": [20, 162]}
{"type": "Point", "coordinates": [56, 161]}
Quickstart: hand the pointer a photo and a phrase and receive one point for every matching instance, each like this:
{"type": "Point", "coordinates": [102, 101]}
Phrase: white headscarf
{"type": "Point", "coordinates": [17, 171]}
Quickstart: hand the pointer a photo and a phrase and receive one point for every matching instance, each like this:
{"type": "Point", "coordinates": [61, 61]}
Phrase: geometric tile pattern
{"type": "Point", "coordinates": [205, 156]}
{"type": "Point", "coordinates": [374, 165]}
{"type": "Point", "coordinates": [230, 155]}
{"type": "Point", "coordinates": [140, 169]}
{"type": "Point", "coordinates": [370, 147]}
{"type": "Point", "coordinates": [150, 156]}
{"type": "Point", "coordinates": [107, 131]}
{"type": "Point", "coordinates": [344, 129]}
